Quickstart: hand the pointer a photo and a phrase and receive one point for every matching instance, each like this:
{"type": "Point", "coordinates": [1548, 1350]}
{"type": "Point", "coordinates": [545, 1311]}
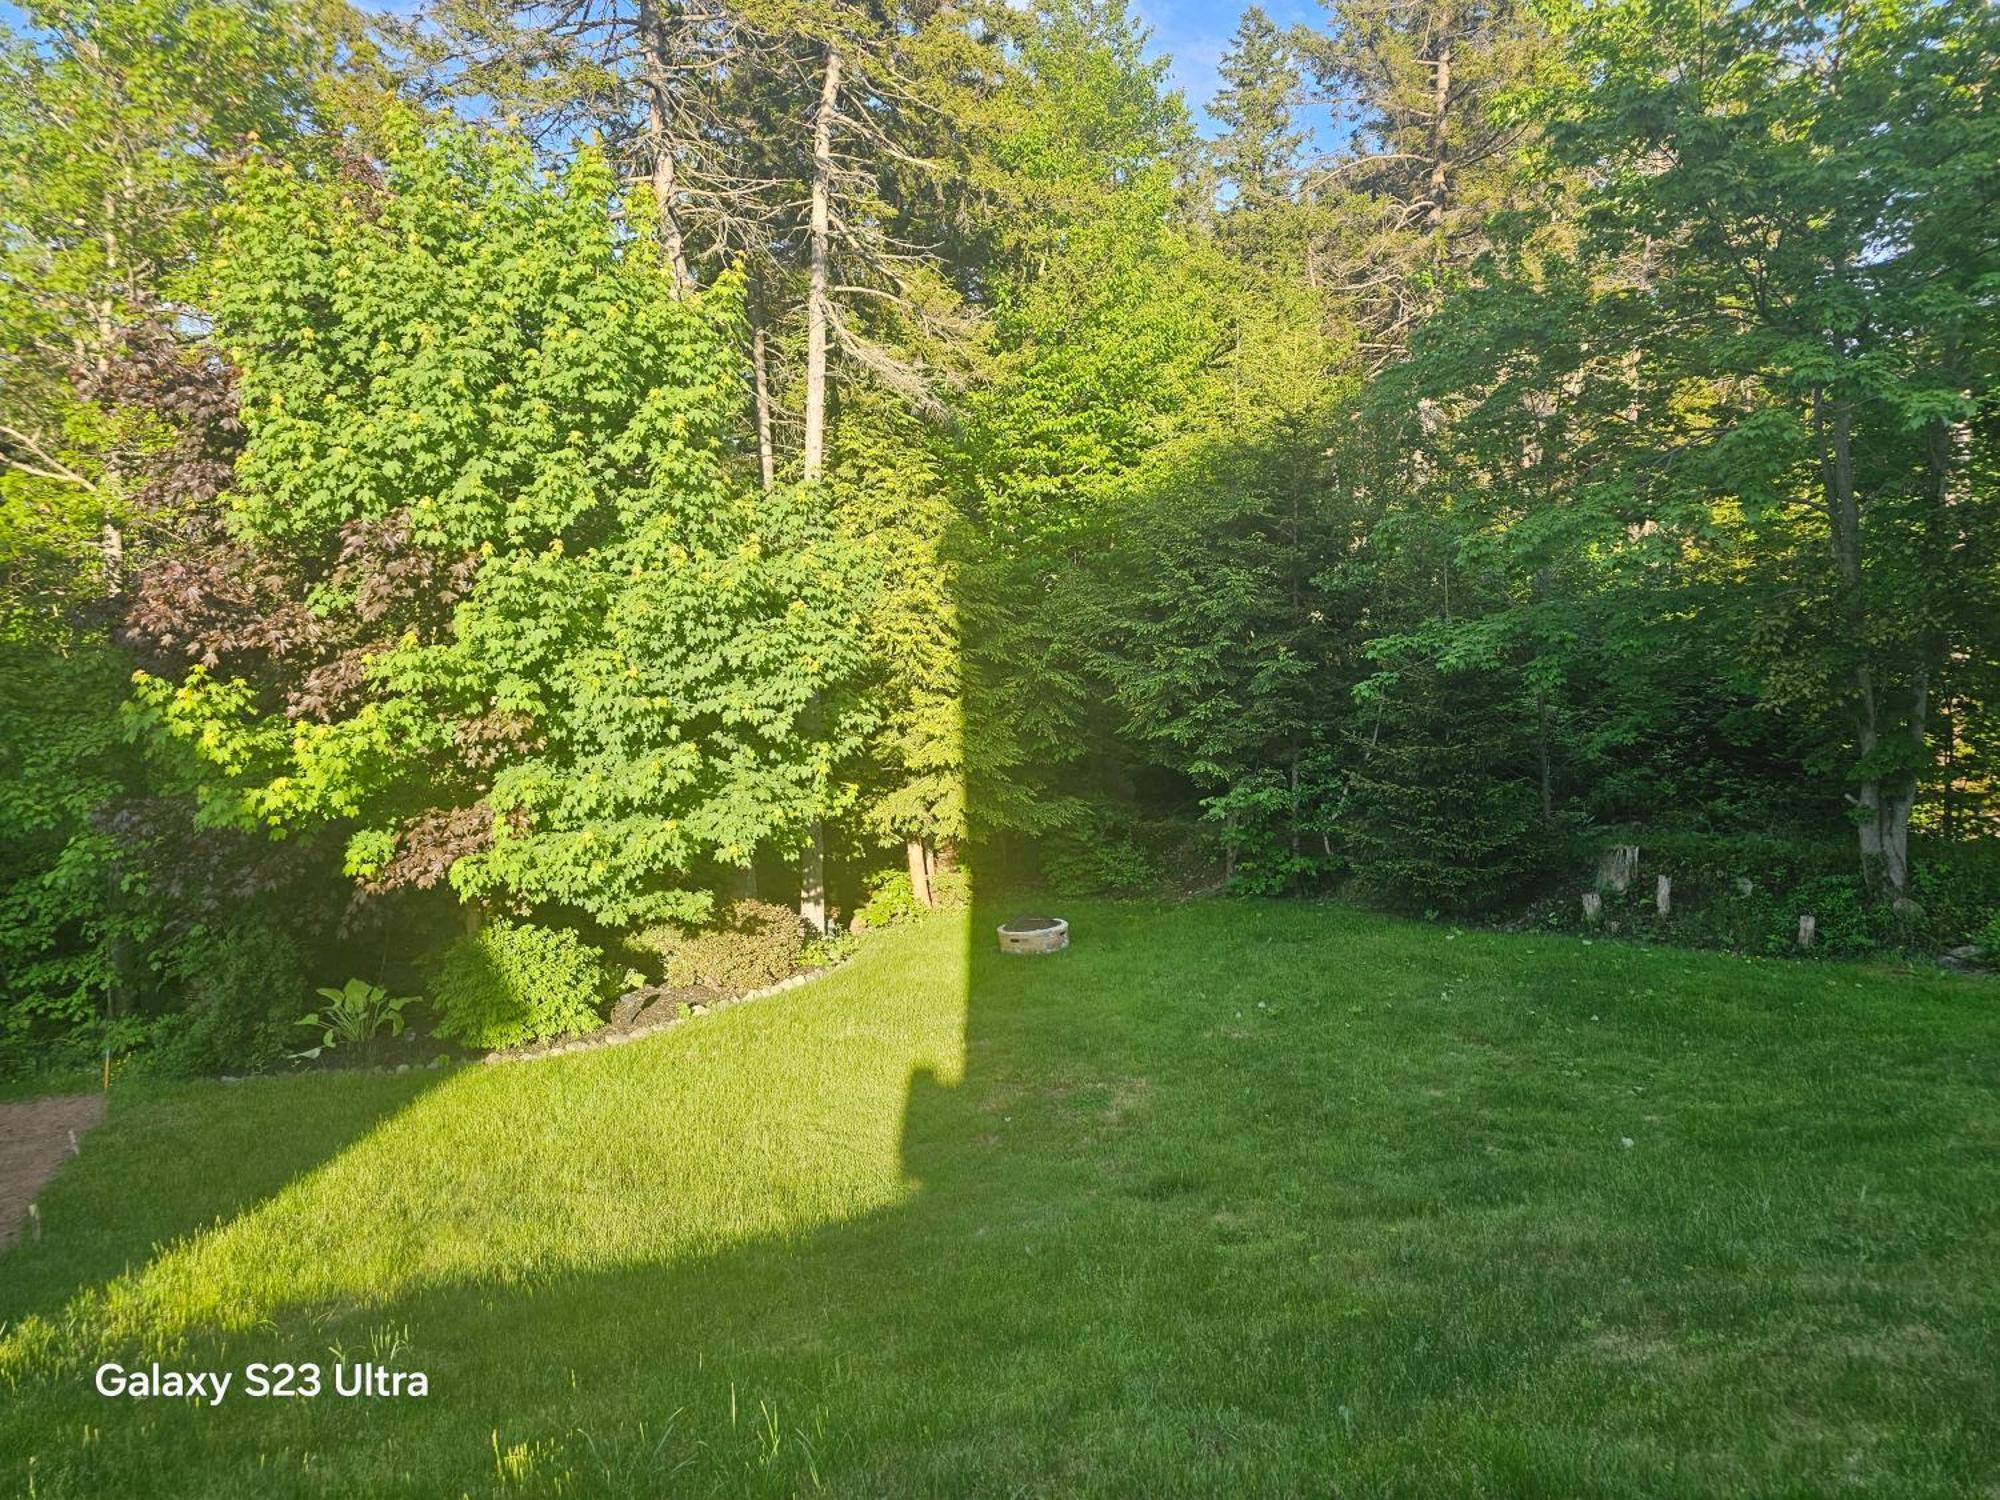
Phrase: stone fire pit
{"type": "Point", "coordinates": [1034, 935]}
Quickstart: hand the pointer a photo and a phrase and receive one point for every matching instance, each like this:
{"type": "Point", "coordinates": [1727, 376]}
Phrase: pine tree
{"type": "Point", "coordinates": [1258, 155]}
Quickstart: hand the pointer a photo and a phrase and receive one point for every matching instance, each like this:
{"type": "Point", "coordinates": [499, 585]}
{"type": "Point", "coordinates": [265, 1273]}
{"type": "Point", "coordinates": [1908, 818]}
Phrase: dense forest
{"type": "Point", "coordinates": [482, 489]}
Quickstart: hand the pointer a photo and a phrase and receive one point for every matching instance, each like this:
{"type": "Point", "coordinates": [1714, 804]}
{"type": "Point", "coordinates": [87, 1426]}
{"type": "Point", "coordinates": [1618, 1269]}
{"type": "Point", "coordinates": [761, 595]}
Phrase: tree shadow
{"type": "Point", "coordinates": [203, 1166]}
{"type": "Point", "coordinates": [1063, 1245]}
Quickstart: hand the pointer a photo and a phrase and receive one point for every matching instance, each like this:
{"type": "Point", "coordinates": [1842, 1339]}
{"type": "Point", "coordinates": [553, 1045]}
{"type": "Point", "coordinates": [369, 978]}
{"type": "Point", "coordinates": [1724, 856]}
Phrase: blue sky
{"type": "Point", "coordinates": [1195, 36]}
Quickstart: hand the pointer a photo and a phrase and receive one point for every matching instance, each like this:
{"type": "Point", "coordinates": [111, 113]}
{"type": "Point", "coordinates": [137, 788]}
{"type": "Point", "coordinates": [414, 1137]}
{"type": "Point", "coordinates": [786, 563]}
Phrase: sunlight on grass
{"type": "Point", "coordinates": [1234, 1198]}
{"type": "Point", "coordinates": [758, 1122]}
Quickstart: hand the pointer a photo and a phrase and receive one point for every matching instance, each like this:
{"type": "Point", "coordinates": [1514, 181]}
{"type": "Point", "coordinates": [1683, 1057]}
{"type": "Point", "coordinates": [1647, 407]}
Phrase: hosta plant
{"type": "Point", "coordinates": [354, 1016]}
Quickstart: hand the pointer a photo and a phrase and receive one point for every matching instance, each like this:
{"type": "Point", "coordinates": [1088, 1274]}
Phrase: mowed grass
{"type": "Point", "coordinates": [1227, 1199]}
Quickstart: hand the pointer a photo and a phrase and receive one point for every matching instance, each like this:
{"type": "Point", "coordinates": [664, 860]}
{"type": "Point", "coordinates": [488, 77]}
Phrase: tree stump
{"type": "Point", "coordinates": [1616, 867]}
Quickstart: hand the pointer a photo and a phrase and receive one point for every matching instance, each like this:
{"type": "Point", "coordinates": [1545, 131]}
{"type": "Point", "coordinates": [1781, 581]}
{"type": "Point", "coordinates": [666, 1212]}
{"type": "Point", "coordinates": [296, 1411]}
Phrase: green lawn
{"type": "Point", "coordinates": [1228, 1199]}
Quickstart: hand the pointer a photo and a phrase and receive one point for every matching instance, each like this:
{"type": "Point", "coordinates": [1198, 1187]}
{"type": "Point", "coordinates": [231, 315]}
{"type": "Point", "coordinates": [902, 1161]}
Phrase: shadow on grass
{"type": "Point", "coordinates": [1156, 1237]}
{"type": "Point", "coordinates": [167, 1163]}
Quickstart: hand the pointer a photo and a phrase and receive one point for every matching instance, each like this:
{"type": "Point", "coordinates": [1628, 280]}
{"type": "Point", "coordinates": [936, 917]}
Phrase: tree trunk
{"type": "Point", "coordinates": [819, 314]}
{"type": "Point", "coordinates": [819, 307]}
{"type": "Point", "coordinates": [920, 871]}
{"type": "Point", "coordinates": [812, 880]}
{"type": "Point", "coordinates": [1440, 186]}
{"type": "Point", "coordinates": [1882, 800]}
{"type": "Point", "coordinates": [111, 549]}
{"type": "Point", "coordinates": [767, 458]}
{"type": "Point", "coordinates": [659, 140]}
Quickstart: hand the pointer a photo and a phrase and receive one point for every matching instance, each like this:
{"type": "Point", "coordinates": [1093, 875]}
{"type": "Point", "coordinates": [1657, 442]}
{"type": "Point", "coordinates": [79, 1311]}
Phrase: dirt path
{"type": "Point", "coordinates": [34, 1141]}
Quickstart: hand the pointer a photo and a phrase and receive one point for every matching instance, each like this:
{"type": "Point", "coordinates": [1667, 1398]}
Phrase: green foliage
{"type": "Point", "coordinates": [647, 669]}
{"type": "Point", "coordinates": [117, 121]}
{"type": "Point", "coordinates": [354, 1016]}
{"type": "Point", "coordinates": [1111, 860]}
{"type": "Point", "coordinates": [65, 901]}
{"type": "Point", "coordinates": [1746, 894]}
{"type": "Point", "coordinates": [893, 499]}
{"type": "Point", "coordinates": [512, 983]}
{"type": "Point", "coordinates": [825, 952]}
{"type": "Point", "coordinates": [892, 899]}
{"type": "Point", "coordinates": [1441, 811]}
{"type": "Point", "coordinates": [239, 986]}
{"type": "Point", "coordinates": [753, 944]}
{"type": "Point", "coordinates": [1601, 434]}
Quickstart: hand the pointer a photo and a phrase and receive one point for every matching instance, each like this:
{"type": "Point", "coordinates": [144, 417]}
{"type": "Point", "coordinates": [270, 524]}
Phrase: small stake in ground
{"type": "Point", "coordinates": [1663, 896]}
{"type": "Point", "coordinates": [1807, 927]}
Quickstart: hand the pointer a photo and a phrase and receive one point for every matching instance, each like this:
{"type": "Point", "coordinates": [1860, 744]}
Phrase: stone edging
{"type": "Point", "coordinates": [606, 1037]}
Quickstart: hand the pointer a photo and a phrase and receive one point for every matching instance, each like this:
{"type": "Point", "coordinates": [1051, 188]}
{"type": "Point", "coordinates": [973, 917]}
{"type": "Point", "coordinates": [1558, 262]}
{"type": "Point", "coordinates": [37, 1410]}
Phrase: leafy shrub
{"type": "Point", "coordinates": [1273, 834]}
{"type": "Point", "coordinates": [1111, 859]}
{"type": "Point", "coordinates": [1711, 864]}
{"type": "Point", "coordinates": [354, 1016]}
{"type": "Point", "coordinates": [891, 899]}
{"type": "Point", "coordinates": [512, 983]}
{"type": "Point", "coordinates": [1989, 939]}
{"type": "Point", "coordinates": [241, 988]}
{"type": "Point", "coordinates": [754, 944]}
{"type": "Point", "coordinates": [825, 952]}
{"type": "Point", "coordinates": [951, 889]}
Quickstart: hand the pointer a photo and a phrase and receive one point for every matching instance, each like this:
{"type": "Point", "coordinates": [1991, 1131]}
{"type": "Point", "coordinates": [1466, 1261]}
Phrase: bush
{"type": "Point", "coordinates": [513, 983]}
{"type": "Point", "coordinates": [354, 1016]}
{"type": "Point", "coordinates": [1114, 857]}
{"type": "Point", "coordinates": [754, 944]}
{"type": "Point", "coordinates": [891, 899]}
{"type": "Point", "coordinates": [242, 988]}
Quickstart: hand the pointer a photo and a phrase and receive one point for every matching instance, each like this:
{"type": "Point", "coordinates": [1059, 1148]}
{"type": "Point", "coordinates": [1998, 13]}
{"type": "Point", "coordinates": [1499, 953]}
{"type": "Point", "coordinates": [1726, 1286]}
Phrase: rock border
{"type": "Point", "coordinates": [605, 1036]}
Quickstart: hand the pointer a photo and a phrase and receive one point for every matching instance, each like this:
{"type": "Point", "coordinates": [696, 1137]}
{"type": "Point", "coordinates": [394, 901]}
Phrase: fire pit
{"type": "Point", "coordinates": [1034, 935]}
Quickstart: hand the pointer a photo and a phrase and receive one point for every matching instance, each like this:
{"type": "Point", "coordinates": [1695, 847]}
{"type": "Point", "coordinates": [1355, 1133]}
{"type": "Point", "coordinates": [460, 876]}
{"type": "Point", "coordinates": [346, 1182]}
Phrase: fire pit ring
{"type": "Point", "coordinates": [1034, 935]}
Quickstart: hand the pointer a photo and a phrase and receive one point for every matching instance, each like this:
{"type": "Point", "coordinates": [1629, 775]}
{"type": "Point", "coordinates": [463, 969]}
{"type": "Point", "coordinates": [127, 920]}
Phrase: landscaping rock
{"type": "Point", "coordinates": [625, 1009]}
{"type": "Point", "coordinates": [1962, 959]}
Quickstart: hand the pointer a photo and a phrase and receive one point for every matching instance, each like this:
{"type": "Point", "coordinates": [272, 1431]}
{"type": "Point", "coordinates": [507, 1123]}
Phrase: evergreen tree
{"type": "Point", "coordinates": [1258, 153]}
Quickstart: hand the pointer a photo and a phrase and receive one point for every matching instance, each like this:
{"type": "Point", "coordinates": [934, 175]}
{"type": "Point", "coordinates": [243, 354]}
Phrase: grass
{"type": "Point", "coordinates": [1228, 1199]}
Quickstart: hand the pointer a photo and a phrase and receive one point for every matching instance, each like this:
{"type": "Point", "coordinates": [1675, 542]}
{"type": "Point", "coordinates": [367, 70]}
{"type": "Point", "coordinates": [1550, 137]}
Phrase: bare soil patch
{"type": "Point", "coordinates": [34, 1141]}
